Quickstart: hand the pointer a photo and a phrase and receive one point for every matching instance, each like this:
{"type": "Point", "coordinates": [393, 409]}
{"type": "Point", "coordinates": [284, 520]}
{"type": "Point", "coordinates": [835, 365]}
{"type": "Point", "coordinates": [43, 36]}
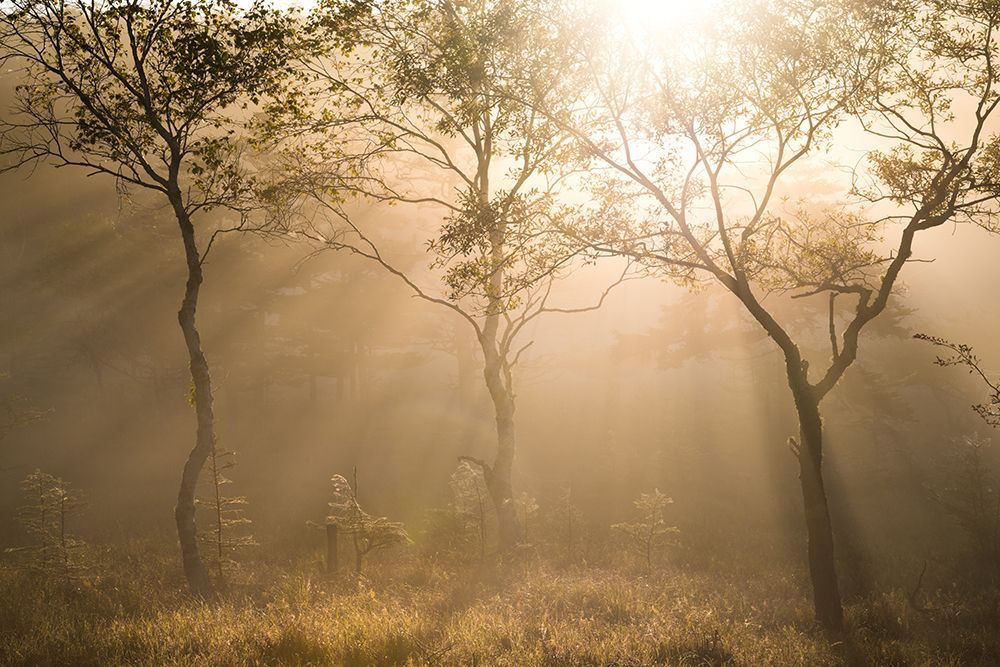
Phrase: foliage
{"type": "Point", "coordinates": [49, 507]}
{"type": "Point", "coordinates": [151, 93]}
{"type": "Point", "coordinates": [963, 355]}
{"type": "Point", "coordinates": [228, 532]}
{"type": "Point", "coordinates": [428, 106]}
{"type": "Point", "coordinates": [700, 140]}
{"type": "Point", "coordinates": [368, 533]}
{"type": "Point", "coordinates": [649, 533]}
{"type": "Point", "coordinates": [143, 92]}
{"type": "Point", "coordinates": [971, 493]}
{"type": "Point", "coordinates": [432, 109]}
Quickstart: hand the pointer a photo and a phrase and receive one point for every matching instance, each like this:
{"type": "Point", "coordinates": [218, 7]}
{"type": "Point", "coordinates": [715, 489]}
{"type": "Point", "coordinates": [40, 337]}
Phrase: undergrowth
{"type": "Point", "coordinates": [411, 611]}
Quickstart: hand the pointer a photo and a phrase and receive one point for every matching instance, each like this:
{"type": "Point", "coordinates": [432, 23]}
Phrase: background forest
{"type": "Point", "coordinates": [656, 501]}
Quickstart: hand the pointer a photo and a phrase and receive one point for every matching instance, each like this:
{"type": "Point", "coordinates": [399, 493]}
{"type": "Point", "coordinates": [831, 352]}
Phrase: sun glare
{"type": "Point", "coordinates": [657, 15]}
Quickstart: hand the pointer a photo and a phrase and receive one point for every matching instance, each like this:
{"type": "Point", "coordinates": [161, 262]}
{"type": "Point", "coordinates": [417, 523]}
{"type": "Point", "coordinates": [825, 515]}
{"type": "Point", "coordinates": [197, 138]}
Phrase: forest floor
{"type": "Point", "coordinates": [411, 611]}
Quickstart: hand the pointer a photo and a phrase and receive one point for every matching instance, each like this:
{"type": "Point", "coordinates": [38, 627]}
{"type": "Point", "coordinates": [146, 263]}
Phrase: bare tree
{"type": "Point", "coordinates": [145, 92]}
{"type": "Point", "coordinates": [697, 139]}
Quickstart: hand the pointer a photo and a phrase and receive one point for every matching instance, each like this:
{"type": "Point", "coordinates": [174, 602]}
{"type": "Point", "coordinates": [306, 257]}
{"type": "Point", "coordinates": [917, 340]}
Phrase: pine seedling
{"type": "Point", "coordinates": [649, 533]}
{"type": "Point", "coordinates": [228, 531]}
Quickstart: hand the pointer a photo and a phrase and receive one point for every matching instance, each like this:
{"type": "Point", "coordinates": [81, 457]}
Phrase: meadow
{"type": "Point", "coordinates": [412, 608]}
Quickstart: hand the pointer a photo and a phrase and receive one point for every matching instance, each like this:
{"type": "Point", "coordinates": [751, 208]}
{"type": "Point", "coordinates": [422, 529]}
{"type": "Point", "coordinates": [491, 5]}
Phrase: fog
{"type": "Point", "coordinates": [325, 364]}
{"type": "Point", "coordinates": [483, 332]}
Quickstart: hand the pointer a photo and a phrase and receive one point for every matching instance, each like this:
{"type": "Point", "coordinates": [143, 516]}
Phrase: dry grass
{"type": "Point", "coordinates": [414, 613]}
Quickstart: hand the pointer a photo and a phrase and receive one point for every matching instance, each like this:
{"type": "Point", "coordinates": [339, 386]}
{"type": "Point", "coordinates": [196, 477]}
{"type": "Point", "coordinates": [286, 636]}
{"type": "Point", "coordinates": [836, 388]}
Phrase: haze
{"type": "Point", "coordinates": [528, 338]}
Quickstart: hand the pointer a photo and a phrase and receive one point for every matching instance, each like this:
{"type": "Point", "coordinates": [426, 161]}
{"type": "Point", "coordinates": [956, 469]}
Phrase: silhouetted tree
{"type": "Point", "coordinates": [146, 92]}
{"type": "Point", "coordinates": [699, 140]}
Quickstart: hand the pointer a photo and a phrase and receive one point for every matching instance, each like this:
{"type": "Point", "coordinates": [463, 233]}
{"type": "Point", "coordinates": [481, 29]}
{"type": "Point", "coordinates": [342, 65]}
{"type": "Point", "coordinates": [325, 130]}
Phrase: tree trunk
{"type": "Point", "coordinates": [498, 477]}
{"type": "Point", "coordinates": [332, 557]}
{"type": "Point", "coordinates": [500, 486]}
{"type": "Point", "coordinates": [822, 565]}
{"type": "Point", "coordinates": [184, 514]}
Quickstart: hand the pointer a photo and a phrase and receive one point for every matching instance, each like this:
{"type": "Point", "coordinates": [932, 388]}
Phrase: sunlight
{"type": "Point", "coordinates": [657, 11]}
{"type": "Point", "coordinates": [531, 332]}
{"type": "Point", "coordinates": [656, 16]}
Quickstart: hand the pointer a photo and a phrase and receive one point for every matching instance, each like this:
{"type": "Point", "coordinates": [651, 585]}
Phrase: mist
{"type": "Point", "coordinates": [580, 439]}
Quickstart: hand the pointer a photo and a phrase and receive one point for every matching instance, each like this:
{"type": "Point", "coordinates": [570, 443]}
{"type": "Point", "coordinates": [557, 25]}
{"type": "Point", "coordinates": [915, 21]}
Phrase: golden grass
{"type": "Point", "coordinates": [414, 613]}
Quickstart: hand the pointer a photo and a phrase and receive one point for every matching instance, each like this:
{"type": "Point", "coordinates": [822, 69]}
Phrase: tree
{"type": "Point", "coordinates": [368, 533]}
{"type": "Point", "coordinates": [972, 494]}
{"type": "Point", "coordinates": [15, 410]}
{"type": "Point", "coordinates": [228, 527]}
{"type": "Point", "coordinates": [568, 523]}
{"type": "Point", "coordinates": [527, 507]}
{"type": "Point", "coordinates": [424, 105]}
{"type": "Point", "coordinates": [698, 139]}
{"type": "Point", "coordinates": [49, 505]}
{"type": "Point", "coordinates": [146, 92]}
{"type": "Point", "coordinates": [649, 532]}
{"type": "Point", "coordinates": [469, 497]}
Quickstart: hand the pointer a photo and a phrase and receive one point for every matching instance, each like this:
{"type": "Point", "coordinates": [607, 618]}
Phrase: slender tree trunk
{"type": "Point", "coordinates": [822, 564]}
{"type": "Point", "coordinates": [184, 514]}
{"type": "Point", "coordinates": [62, 535]}
{"type": "Point", "coordinates": [466, 366]}
{"type": "Point", "coordinates": [216, 487]}
{"type": "Point", "coordinates": [482, 526]}
{"type": "Point", "coordinates": [498, 477]}
{"type": "Point", "coordinates": [332, 556]}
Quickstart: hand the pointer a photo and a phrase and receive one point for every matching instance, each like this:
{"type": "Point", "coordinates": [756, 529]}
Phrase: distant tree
{"type": "Point", "coordinates": [527, 507]}
{"type": "Point", "coordinates": [368, 533]}
{"type": "Point", "coordinates": [49, 507]}
{"type": "Point", "coordinates": [470, 499]}
{"type": "Point", "coordinates": [568, 520]}
{"type": "Point", "coordinates": [228, 530]}
{"type": "Point", "coordinates": [697, 143]}
{"type": "Point", "coordinates": [649, 533]}
{"type": "Point", "coordinates": [971, 493]}
{"type": "Point", "coordinates": [147, 93]}
{"type": "Point", "coordinates": [15, 410]}
{"type": "Point", "coordinates": [438, 121]}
